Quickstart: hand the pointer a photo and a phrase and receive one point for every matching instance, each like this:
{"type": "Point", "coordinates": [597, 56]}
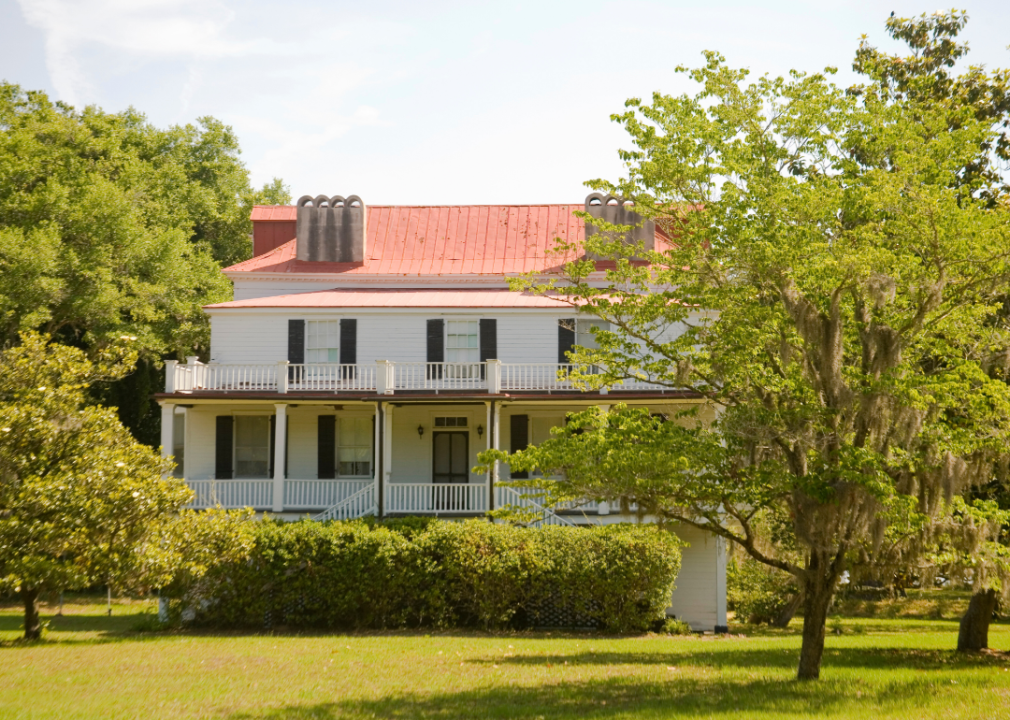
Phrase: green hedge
{"type": "Point", "coordinates": [344, 575]}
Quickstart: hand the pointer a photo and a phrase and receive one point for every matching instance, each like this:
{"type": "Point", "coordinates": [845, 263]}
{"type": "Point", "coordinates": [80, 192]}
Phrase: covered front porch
{"type": "Point", "coordinates": [360, 457]}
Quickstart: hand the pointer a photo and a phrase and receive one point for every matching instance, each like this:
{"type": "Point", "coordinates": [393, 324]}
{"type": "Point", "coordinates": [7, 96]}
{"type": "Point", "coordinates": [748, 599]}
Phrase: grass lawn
{"type": "Point", "coordinates": [94, 666]}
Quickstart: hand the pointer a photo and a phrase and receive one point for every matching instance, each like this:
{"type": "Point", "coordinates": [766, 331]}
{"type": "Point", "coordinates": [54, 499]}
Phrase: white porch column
{"type": "Point", "coordinates": [167, 431]}
{"type": "Point", "coordinates": [170, 375]}
{"type": "Point", "coordinates": [280, 451]}
{"type": "Point", "coordinates": [282, 376]}
{"type": "Point", "coordinates": [489, 431]}
{"type": "Point", "coordinates": [494, 376]}
{"type": "Point", "coordinates": [387, 451]}
{"type": "Point", "coordinates": [495, 444]}
{"type": "Point", "coordinates": [377, 496]}
{"type": "Point", "coordinates": [603, 508]}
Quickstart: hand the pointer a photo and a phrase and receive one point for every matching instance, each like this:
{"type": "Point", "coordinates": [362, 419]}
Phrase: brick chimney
{"type": "Point", "coordinates": [617, 211]}
{"type": "Point", "coordinates": [331, 229]}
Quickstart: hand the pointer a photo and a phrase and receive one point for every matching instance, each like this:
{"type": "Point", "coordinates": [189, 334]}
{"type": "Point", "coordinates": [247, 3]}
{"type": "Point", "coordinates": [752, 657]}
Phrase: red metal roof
{"type": "Point", "coordinates": [397, 298]}
{"type": "Point", "coordinates": [439, 240]}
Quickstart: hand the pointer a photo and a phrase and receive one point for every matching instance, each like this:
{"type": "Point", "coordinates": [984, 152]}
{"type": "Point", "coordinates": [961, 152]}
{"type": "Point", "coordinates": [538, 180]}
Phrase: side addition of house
{"type": "Point", "coordinates": [371, 352]}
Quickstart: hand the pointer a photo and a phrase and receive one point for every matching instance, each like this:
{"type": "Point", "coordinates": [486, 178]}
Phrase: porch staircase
{"type": "Point", "coordinates": [358, 505]}
{"type": "Point", "coordinates": [547, 516]}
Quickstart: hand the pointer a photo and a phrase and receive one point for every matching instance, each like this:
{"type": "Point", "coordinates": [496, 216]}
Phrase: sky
{"type": "Point", "coordinates": [432, 102]}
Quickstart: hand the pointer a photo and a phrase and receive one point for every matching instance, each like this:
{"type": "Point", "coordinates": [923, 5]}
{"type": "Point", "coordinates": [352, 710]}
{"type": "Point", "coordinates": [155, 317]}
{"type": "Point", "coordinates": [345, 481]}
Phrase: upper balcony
{"type": "Point", "coordinates": [382, 378]}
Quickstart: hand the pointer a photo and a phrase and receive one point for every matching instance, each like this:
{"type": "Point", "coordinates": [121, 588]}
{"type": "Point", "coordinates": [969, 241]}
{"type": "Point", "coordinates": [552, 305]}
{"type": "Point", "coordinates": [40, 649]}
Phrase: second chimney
{"type": "Point", "coordinates": [331, 229]}
{"type": "Point", "coordinates": [619, 212]}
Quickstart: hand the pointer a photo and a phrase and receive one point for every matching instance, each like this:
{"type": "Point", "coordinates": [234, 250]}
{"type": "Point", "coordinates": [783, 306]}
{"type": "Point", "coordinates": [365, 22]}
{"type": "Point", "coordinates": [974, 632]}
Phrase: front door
{"type": "Point", "coordinates": [450, 466]}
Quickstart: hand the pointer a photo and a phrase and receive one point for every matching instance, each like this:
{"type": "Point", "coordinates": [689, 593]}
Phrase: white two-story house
{"type": "Point", "coordinates": [371, 352]}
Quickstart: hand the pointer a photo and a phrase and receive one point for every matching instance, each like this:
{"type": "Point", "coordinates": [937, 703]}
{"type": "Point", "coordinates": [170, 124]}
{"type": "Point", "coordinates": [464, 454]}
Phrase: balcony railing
{"type": "Point", "coordinates": [382, 377]}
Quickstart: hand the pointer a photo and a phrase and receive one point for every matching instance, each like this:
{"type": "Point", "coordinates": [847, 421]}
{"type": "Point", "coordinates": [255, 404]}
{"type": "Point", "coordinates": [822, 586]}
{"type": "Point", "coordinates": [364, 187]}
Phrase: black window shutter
{"type": "Point", "coordinates": [488, 342]}
{"type": "Point", "coordinates": [273, 446]}
{"type": "Point", "coordinates": [566, 339]}
{"type": "Point", "coordinates": [296, 349]}
{"type": "Point", "coordinates": [327, 468]}
{"type": "Point", "coordinates": [296, 342]}
{"type": "Point", "coordinates": [223, 447]}
{"type": "Point", "coordinates": [348, 341]}
{"type": "Point", "coordinates": [436, 345]}
{"type": "Point", "coordinates": [348, 347]}
{"type": "Point", "coordinates": [519, 426]}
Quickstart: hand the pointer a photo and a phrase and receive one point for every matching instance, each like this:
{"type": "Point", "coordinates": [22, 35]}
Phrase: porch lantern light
{"type": "Point", "coordinates": [420, 431]}
{"type": "Point", "coordinates": [480, 431]}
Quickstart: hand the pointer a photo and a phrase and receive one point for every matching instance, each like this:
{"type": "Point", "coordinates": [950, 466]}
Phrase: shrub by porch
{"type": "Point", "coordinates": [420, 573]}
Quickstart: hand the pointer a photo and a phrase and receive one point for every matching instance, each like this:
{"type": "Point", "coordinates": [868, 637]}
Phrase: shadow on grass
{"type": "Point", "coordinates": [61, 629]}
{"type": "Point", "coordinates": [868, 658]}
{"type": "Point", "coordinates": [677, 697]}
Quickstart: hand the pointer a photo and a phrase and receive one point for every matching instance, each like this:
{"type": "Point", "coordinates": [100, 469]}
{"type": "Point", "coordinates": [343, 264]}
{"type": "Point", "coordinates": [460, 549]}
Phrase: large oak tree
{"type": "Point", "coordinates": [834, 291]}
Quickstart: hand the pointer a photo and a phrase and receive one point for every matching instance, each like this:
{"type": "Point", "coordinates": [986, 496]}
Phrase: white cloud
{"type": "Point", "coordinates": [144, 28]}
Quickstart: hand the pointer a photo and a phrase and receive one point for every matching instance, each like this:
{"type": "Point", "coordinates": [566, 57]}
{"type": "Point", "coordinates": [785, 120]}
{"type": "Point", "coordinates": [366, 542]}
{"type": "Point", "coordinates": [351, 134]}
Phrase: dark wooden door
{"type": "Point", "coordinates": [450, 464]}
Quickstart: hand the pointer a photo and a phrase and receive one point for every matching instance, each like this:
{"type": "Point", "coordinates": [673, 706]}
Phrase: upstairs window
{"type": "Point", "coordinates": [462, 341]}
{"type": "Point", "coordinates": [322, 341]}
{"type": "Point", "coordinates": [354, 447]}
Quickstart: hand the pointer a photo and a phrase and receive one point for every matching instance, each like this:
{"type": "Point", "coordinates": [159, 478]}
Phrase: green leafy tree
{"type": "Point", "coordinates": [82, 502]}
{"type": "Point", "coordinates": [831, 294]}
{"type": "Point", "coordinates": [110, 226]}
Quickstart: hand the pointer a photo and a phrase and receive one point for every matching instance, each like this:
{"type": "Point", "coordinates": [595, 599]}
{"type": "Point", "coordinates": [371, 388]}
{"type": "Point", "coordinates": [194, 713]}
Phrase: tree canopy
{"type": "Point", "coordinates": [832, 291]}
{"type": "Point", "coordinates": [111, 226]}
{"type": "Point", "coordinates": [82, 502]}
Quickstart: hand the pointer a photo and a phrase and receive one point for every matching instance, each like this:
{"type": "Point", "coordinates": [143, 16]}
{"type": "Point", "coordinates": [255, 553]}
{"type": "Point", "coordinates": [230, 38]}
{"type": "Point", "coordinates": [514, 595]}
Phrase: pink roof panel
{"type": "Point", "coordinates": [436, 240]}
{"type": "Point", "coordinates": [397, 298]}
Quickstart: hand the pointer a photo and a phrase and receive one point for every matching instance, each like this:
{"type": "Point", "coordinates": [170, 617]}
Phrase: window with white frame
{"type": "Point", "coordinates": [354, 447]}
{"type": "Point", "coordinates": [451, 422]}
{"type": "Point", "coordinates": [252, 446]}
{"type": "Point", "coordinates": [462, 341]}
{"type": "Point", "coordinates": [322, 341]}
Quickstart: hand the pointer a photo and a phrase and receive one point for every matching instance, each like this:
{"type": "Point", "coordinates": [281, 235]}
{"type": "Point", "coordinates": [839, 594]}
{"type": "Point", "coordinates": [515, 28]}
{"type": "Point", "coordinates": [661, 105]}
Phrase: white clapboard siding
{"type": "Point", "coordinates": [248, 338]}
{"type": "Point", "coordinates": [527, 338]}
{"type": "Point", "coordinates": [695, 598]}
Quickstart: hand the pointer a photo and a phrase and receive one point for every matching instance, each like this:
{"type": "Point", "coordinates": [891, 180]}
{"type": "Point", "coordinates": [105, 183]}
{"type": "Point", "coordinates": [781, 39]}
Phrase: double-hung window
{"type": "Point", "coordinates": [322, 341]}
{"type": "Point", "coordinates": [462, 345]}
{"type": "Point", "coordinates": [354, 447]}
{"type": "Point", "coordinates": [252, 446]}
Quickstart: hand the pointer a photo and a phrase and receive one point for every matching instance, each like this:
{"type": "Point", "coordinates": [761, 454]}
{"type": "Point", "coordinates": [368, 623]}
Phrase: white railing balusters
{"type": "Point", "coordinates": [384, 377]}
{"type": "Point", "coordinates": [436, 498]}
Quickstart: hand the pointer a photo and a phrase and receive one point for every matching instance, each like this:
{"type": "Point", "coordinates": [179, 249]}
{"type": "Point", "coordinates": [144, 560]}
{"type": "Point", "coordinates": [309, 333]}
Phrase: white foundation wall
{"type": "Point", "coordinates": [700, 595]}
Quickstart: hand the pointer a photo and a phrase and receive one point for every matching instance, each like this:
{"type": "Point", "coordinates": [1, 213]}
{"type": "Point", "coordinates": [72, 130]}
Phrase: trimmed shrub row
{"type": "Point", "coordinates": [346, 575]}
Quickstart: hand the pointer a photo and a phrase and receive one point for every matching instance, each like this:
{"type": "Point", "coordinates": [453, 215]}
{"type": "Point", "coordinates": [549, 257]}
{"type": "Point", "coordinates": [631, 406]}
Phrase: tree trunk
{"type": "Point", "coordinates": [787, 613]}
{"type": "Point", "coordinates": [33, 628]}
{"type": "Point", "coordinates": [974, 631]}
{"type": "Point", "coordinates": [817, 595]}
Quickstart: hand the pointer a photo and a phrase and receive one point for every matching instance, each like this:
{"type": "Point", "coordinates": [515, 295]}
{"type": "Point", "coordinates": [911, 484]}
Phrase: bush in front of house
{"type": "Point", "coordinates": [473, 574]}
{"type": "Point", "coordinates": [759, 594]}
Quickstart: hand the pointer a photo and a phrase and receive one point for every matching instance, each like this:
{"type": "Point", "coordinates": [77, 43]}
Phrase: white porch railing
{"type": "Point", "coordinates": [256, 494]}
{"type": "Point", "coordinates": [382, 377]}
{"type": "Point", "coordinates": [439, 376]}
{"type": "Point", "coordinates": [315, 494]}
{"type": "Point", "coordinates": [538, 376]}
{"type": "Point", "coordinates": [436, 498]}
{"type": "Point", "coordinates": [331, 376]}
